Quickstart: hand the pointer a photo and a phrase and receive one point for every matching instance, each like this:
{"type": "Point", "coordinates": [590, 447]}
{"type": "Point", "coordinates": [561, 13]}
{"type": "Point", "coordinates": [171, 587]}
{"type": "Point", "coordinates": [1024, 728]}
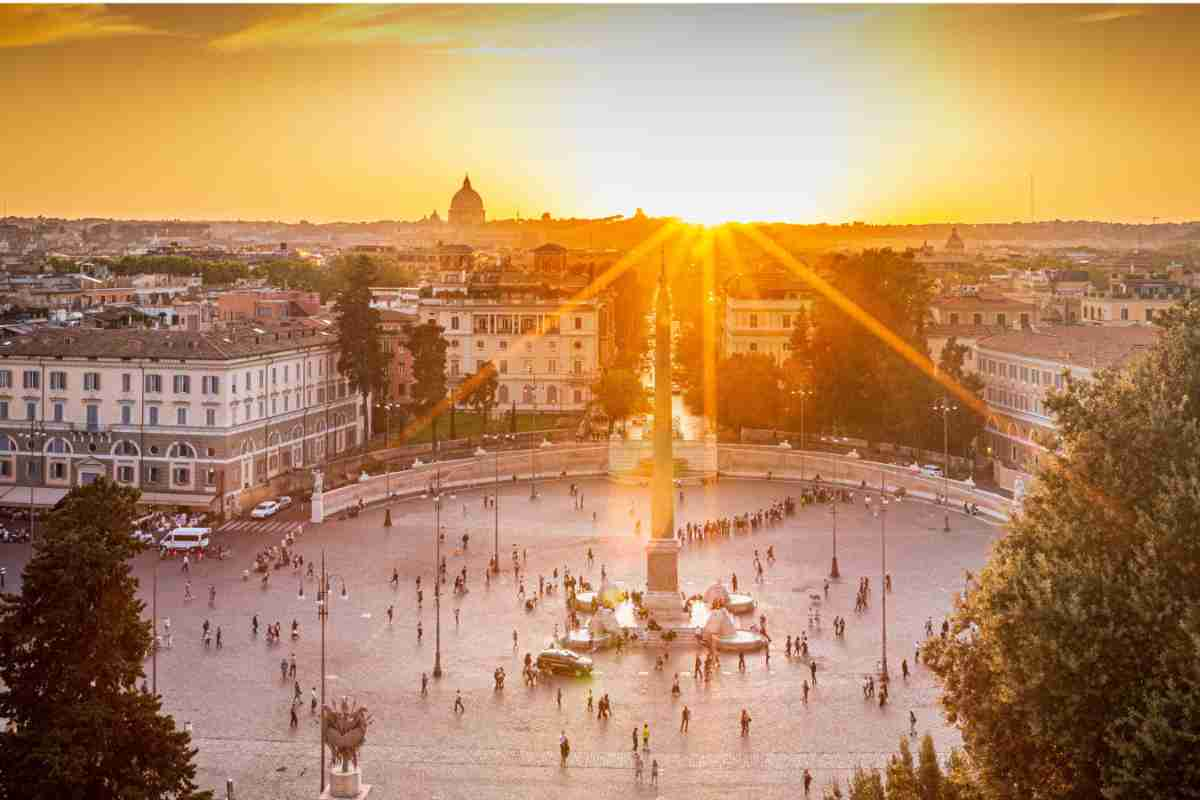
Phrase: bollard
{"type": "Point", "coordinates": [229, 789]}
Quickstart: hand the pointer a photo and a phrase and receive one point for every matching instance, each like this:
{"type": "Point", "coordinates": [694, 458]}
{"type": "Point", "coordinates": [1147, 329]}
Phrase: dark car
{"type": "Point", "coordinates": [563, 661]}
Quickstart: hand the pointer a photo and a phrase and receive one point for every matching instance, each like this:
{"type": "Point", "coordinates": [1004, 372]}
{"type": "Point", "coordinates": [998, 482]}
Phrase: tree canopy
{"type": "Point", "coordinates": [1073, 664]}
{"type": "Point", "coordinates": [361, 358]}
{"type": "Point", "coordinates": [483, 385]}
{"type": "Point", "coordinates": [621, 394]}
{"type": "Point", "coordinates": [72, 646]}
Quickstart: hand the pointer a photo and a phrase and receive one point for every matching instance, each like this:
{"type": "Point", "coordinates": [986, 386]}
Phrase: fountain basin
{"type": "Point", "coordinates": [587, 601]}
{"type": "Point", "coordinates": [740, 642]}
{"type": "Point", "coordinates": [739, 603]}
{"type": "Point", "coordinates": [582, 640]}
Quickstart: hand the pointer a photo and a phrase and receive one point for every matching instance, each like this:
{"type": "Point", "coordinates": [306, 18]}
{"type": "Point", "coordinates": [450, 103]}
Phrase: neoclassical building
{"type": "Point", "coordinates": [466, 207]}
{"type": "Point", "coordinates": [198, 419]}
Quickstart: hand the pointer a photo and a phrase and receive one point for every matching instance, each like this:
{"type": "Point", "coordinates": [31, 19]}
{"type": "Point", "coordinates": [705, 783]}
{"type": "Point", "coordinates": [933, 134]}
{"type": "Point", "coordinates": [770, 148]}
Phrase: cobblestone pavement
{"type": "Point", "coordinates": [505, 745]}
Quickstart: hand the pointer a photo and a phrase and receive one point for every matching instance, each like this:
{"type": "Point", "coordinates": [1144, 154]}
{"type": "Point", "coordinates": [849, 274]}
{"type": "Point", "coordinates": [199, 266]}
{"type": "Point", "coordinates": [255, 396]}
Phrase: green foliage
{"type": "Point", "coordinates": [964, 423]}
{"type": "Point", "coordinates": [1072, 664]}
{"type": "Point", "coordinates": [748, 394]}
{"type": "Point", "coordinates": [72, 645]}
{"type": "Point", "coordinates": [361, 357]}
{"type": "Point", "coordinates": [866, 784]}
{"type": "Point", "coordinates": [621, 394]}
{"type": "Point", "coordinates": [428, 348]}
{"type": "Point", "coordinates": [901, 777]}
{"type": "Point", "coordinates": [631, 304]}
{"type": "Point", "coordinates": [481, 394]}
{"type": "Point", "coordinates": [929, 772]}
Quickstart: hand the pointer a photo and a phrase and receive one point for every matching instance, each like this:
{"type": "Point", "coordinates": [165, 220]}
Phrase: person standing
{"type": "Point", "coordinates": [684, 718]}
{"type": "Point", "coordinates": [218, 637]}
{"type": "Point", "coordinates": [912, 723]}
{"type": "Point", "coordinates": [312, 706]}
{"type": "Point", "coordinates": [560, 698]}
{"type": "Point", "coordinates": [420, 631]}
{"type": "Point", "coordinates": [635, 738]}
{"type": "Point", "coordinates": [564, 748]}
{"type": "Point", "coordinates": [637, 766]}
{"type": "Point", "coordinates": [646, 736]}
{"type": "Point", "coordinates": [390, 612]}
{"type": "Point", "coordinates": [654, 763]}
{"type": "Point", "coordinates": [424, 685]}
{"type": "Point", "coordinates": [589, 703]}
{"type": "Point", "coordinates": [805, 693]}
{"type": "Point", "coordinates": [459, 707]}
{"type": "Point", "coordinates": [812, 666]}
{"type": "Point", "coordinates": [807, 781]}
{"type": "Point", "coordinates": [745, 722]}
{"type": "Point", "coordinates": [295, 721]}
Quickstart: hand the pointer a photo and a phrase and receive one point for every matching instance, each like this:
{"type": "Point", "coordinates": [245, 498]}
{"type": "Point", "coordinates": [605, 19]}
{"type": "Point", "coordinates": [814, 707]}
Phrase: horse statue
{"type": "Point", "coordinates": [345, 730]}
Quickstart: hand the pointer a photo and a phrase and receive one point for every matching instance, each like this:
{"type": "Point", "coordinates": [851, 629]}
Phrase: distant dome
{"type": "Point", "coordinates": [466, 208]}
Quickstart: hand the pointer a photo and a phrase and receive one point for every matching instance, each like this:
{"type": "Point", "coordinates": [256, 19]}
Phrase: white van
{"type": "Point", "coordinates": [931, 471]}
{"type": "Point", "coordinates": [186, 539]}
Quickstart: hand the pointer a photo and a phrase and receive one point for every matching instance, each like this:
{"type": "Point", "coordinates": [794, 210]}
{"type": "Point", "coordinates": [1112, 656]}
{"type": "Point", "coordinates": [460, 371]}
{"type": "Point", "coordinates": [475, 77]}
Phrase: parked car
{"type": "Point", "coordinates": [563, 661]}
{"type": "Point", "coordinates": [267, 508]}
{"type": "Point", "coordinates": [145, 537]}
{"type": "Point", "coordinates": [931, 471]}
{"type": "Point", "coordinates": [284, 502]}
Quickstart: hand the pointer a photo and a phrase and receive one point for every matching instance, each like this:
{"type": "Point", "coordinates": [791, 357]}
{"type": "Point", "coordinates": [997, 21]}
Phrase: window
{"type": "Point", "coordinates": [126, 414]}
{"type": "Point", "coordinates": [503, 344]}
{"type": "Point", "coordinates": [977, 319]}
{"type": "Point", "coordinates": [125, 474]}
{"type": "Point", "coordinates": [34, 469]}
{"type": "Point", "coordinates": [58, 471]}
{"type": "Point", "coordinates": [181, 416]}
{"type": "Point", "coordinates": [953, 318]}
{"type": "Point", "coordinates": [1124, 313]}
{"type": "Point", "coordinates": [1149, 314]}
{"type": "Point", "coordinates": [578, 395]}
{"type": "Point", "coordinates": [274, 376]}
{"type": "Point", "coordinates": [152, 474]}
{"type": "Point", "coordinates": [5, 379]}
{"type": "Point", "coordinates": [578, 367]}
{"type": "Point", "coordinates": [247, 381]}
{"type": "Point", "coordinates": [210, 417]}
{"type": "Point", "coordinates": [210, 384]}
{"type": "Point", "coordinates": [93, 416]}
{"type": "Point", "coordinates": [454, 323]}
{"type": "Point", "coordinates": [503, 367]}
{"type": "Point", "coordinates": [502, 394]}
{"type": "Point", "coordinates": [528, 366]}
{"type": "Point", "coordinates": [31, 411]}
{"type": "Point", "coordinates": [1046, 378]}
{"type": "Point", "coordinates": [125, 449]}
{"type": "Point", "coordinates": [153, 414]}
{"type": "Point", "coordinates": [210, 477]}
{"type": "Point", "coordinates": [3, 409]}
{"type": "Point", "coordinates": [754, 347]}
{"type": "Point", "coordinates": [126, 382]}
{"type": "Point", "coordinates": [262, 409]}
{"type": "Point", "coordinates": [1002, 320]}
{"type": "Point", "coordinates": [754, 320]}
{"type": "Point", "coordinates": [233, 414]}
{"type": "Point", "coordinates": [182, 475]}
{"type": "Point", "coordinates": [154, 383]}
{"type": "Point", "coordinates": [91, 381]}
{"type": "Point", "coordinates": [454, 367]}
{"type": "Point", "coordinates": [1024, 320]}
{"type": "Point", "coordinates": [58, 412]}
{"type": "Point", "coordinates": [579, 323]}
{"type": "Point", "coordinates": [32, 379]}
{"type": "Point", "coordinates": [58, 381]}
{"type": "Point", "coordinates": [787, 320]}
{"type": "Point", "coordinates": [552, 366]}
{"type": "Point", "coordinates": [479, 344]}
{"type": "Point", "coordinates": [182, 384]}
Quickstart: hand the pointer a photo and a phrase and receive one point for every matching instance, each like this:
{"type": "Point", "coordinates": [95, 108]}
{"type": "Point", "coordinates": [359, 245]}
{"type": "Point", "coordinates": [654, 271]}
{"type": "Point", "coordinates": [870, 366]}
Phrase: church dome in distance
{"type": "Point", "coordinates": [466, 208]}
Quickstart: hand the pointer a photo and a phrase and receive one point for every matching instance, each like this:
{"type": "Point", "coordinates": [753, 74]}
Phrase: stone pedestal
{"type": "Point", "coordinates": [662, 580]}
{"type": "Point", "coordinates": [345, 785]}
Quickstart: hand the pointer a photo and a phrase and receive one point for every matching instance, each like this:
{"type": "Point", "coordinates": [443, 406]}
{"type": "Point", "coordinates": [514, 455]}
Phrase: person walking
{"type": "Point", "coordinates": [635, 738]}
{"type": "Point", "coordinates": [646, 736]}
{"type": "Point", "coordinates": [685, 717]}
{"type": "Point", "coordinates": [218, 637]}
{"type": "Point", "coordinates": [589, 703]}
{"type": "Point", "coordinates": [654, 763]}
{"type": "Point", "coordinates": [420, 631]}
{"type": "Point", "coordinates": [456, 617]}
{"type": "Point", "coordinates": [807, 781]}
{"type": "Point", "coordinates": [745, 722]}
{"type": "Point", "coordinates": [912, 723]}
{"type": "Point", "coordinates": [459, 707]}
{"type": "Point", "coordinates": [812, 666]}
{"type": "Point", "coordinates": [904, 668]}
{"type": "Point", "coordinates": [564, 748]}
{"type": "Point", "coordinates": [637, 766]}
{"type": "Point", "coordinates": [295, 720]}
{"type": "Point", "coordinates": [805, 687]}
{"type": "Point", "coordinates": [312, 705]}
{"type": "Point", "coordinates": [424, 685]}
{"type": "Point", "coordinates": [390, 612]}
{"type": "Point", "coordinates": [292, 666]}
{"type": "Point", "coordinates": [560, 698]}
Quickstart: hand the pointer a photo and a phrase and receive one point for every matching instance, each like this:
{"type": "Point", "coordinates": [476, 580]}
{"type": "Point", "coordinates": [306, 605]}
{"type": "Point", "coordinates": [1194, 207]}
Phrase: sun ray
{"type": "Point", "coordinates": [855, 312]}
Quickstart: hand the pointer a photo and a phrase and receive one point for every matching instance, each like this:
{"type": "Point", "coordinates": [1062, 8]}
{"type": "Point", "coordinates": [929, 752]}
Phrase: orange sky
{"type": "Point", "coordinates": [808, 114]}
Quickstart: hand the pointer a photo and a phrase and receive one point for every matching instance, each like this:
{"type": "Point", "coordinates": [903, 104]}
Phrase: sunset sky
{"type": "Point", "coordinates": [806, 114]}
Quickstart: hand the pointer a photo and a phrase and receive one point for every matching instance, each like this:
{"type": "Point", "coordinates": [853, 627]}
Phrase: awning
{"type": "Point", "coordinates": [41, 496]}
{"type": "Point", "coordinates": [203, 502]}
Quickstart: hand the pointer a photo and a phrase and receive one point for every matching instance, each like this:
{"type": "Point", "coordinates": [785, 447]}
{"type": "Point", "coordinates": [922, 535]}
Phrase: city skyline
{"type": "Point", "coordinates": [707, 113]}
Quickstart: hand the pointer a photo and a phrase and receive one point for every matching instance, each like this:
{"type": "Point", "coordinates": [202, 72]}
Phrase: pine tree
{"type": "Point", "coordinates": [929, 772]}
{"type": "Point", "coordinates": [72, 645]}
{"type": "Point", "coordinates": [901, 777]}
{"type": "Point", "coordinates": [361, 359]}
{"type": "Point", "coordinates": [866, 784]}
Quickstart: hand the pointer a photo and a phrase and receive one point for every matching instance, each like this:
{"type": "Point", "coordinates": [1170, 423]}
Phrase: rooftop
{"type": "Point", "coordinates": [980, 302]}
{"type": "Point", "coordinates": [1092, 347]}
{"type": "Point", "coordinates": [228, 343]}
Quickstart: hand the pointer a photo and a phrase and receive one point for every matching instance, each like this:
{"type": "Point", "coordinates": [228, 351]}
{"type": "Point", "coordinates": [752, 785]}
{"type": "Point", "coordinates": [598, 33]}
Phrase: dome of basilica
{"type": "Point", "coordinates": [466, 207]}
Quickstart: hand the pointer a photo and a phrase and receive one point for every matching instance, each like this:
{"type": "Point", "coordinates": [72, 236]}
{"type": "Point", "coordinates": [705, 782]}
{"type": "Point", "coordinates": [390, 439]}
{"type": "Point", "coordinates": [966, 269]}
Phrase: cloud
{"type": "Point", "coordinates": [32, 26]}
{"type": "Point", "coordinates": [1110, 15]}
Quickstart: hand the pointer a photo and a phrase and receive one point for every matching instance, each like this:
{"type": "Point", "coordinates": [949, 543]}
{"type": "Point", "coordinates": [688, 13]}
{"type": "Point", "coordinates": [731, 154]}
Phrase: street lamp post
{"type": "Point", "coordinates": [944, 407]}
{"type": "Point", "coordinates": [322, 614]}
{"type": "Point", "coordinates": [437, 575]}
{"type": "Point", "coordinates": [883, 503]}
{"type": "Point", "coordinates": [803, 394]}
{"type": "Point", "coordinates": [496, 510]}
{"type": "Point", "coordinates": [531, 390]}
{"type": "Point", "coordinates": [833, 568]}
{"type": "Point", "coordinates": [154, 612]}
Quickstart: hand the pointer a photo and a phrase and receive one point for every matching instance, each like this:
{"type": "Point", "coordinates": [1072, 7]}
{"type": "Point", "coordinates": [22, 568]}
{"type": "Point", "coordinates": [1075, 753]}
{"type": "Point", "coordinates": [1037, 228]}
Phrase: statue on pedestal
{"type": "Point", "coordinates": [345, 731]}
{"type": "Point", "coordinates": [318, 481]}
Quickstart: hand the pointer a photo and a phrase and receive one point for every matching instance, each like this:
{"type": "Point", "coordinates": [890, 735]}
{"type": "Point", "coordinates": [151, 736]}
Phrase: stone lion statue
{"type": "Point", "coordinates": [345, 730]}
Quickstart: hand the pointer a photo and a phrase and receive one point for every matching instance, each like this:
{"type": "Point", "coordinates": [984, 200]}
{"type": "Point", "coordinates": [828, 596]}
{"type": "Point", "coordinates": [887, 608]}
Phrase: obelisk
{"type": "Point", "coordinates": [662, 553]}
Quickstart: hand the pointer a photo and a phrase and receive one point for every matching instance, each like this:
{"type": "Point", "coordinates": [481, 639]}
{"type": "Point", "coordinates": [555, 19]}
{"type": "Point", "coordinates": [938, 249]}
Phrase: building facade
{"type": "Point", "coordinates": [192, 419]}
{"type": "Point", "coordinates": [757, 325]}
{"type": "Point", "coordinates": [1021, 367]}
{"type": "Point", "coordinates": [547, 352]}
{"type": "Point", "coordinates": [1131, 301]}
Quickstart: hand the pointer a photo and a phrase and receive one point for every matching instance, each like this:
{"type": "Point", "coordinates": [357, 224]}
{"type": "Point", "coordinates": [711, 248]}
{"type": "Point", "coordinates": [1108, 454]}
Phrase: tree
{"type": "Point", "coordinates": [428, 348]}
{"type": "Point", "coordinates": [929, 772]}
{"type": "Point", "coordinates": [630, 306]}
{"type": "Point", "coordinates": [361, 358]}
{"type": "Point", "coordinates": [621, 394]}
{"type": "Point", "coordinates": [72, 645]}
{"type": "Point", "coordinates": [965, 423]}
{"type": "Point", "coordinates": [901, 778]}
{"type": "Point", "coordinates": [866, 784]}
{"type": "Point", "coordinates": [748, 393]}
{"type": "Point", "coordinates": [1071, 668]}
{"type": "Point", "coordinates": [481, 395]}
